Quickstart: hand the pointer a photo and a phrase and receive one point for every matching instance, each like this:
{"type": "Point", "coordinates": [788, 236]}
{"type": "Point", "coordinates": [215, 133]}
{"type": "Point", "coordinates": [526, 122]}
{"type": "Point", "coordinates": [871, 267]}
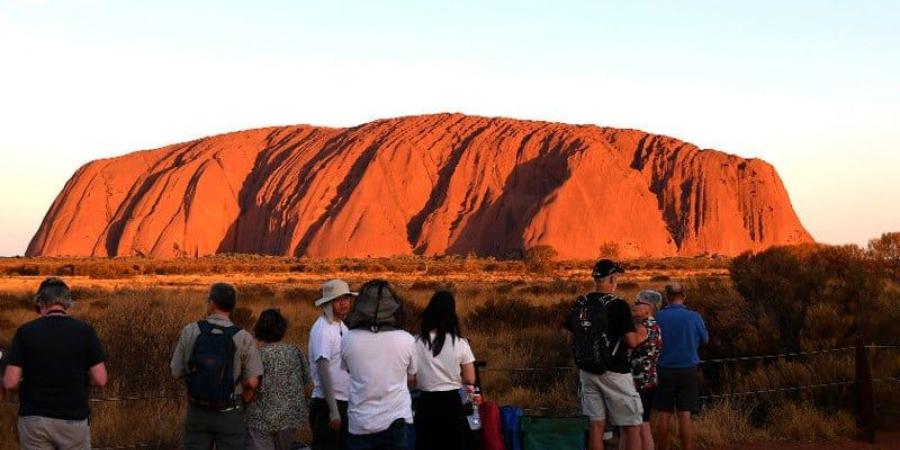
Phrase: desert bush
{"type": "Point", "coordinates": [509, 313]}
{"type": "Point", "coordinates": [425, 285]}
{"type": "Point", "coordinates": [556, 288]}
{"type": "Point", "coordinates": [886, 252]}
{"type": "Point", "coordinates": [785, 283]}
{"type": "Point", "coordinates": [539, 259]}
{"type": "Point", "coordinates": [609, 250]}
{"type": "Point", "coordinates": [139, 330]}
{"type": "Point", "coordinates": [18, 300]}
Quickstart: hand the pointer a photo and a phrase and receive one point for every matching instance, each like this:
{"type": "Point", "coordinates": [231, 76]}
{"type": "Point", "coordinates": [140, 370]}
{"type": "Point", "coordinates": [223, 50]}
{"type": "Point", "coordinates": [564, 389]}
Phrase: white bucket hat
{"type": "Point", "coordinates": [333, 289]}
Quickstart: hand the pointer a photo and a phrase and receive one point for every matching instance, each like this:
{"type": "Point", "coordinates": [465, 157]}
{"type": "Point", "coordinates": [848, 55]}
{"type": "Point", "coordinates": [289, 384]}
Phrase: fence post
{"type": "Point", "coordinates": [865, 402]}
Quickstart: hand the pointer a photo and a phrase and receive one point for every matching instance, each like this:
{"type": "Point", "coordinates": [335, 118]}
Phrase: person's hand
{"type": "Point", "coordinates": [642, 332]}
{"type": "Point", "coordinates": [335, 424]}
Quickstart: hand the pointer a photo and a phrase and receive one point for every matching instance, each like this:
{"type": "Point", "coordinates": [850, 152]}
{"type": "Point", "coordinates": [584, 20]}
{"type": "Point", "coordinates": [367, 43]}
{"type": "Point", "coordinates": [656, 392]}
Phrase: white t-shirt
{"type": "Point", "coordinates": [442, 373]}
{"type": "Point", "coordinates": [325, 343]}
{"type": "Point", "coordinates": [378, 364]}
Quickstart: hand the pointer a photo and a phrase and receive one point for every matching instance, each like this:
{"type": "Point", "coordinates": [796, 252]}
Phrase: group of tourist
{"type": "Point", "coordinates": [352, 386]}
{"type": "Point", "coordinates": [646, 361]}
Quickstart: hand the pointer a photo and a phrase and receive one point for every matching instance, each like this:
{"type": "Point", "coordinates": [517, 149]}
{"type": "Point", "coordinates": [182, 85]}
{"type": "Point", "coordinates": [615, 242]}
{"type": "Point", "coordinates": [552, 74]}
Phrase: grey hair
{"type": "Point", "coordinates": [53, 291]}
{"type": "Point", "coordinates": [652, 298]}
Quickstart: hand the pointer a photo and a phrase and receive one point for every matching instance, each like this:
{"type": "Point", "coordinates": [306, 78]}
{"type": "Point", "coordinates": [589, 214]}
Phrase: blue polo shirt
{"type": "Point", "coordinates": [683, 331]}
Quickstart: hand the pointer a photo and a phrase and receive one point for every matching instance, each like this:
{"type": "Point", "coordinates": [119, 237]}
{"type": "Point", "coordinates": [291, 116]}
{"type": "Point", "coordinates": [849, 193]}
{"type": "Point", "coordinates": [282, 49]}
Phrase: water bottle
{"type": "Point", "coordinates": [470, 401]}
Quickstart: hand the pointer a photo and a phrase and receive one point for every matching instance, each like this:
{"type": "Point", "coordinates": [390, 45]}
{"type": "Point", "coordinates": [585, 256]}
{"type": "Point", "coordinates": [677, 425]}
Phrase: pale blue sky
{"type": "Point", "coordinates": [810, 86]}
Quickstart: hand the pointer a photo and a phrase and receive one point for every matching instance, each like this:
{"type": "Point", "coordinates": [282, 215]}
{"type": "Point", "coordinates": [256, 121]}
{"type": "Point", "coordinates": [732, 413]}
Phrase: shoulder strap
{"type": "Point", "coordinates": [231, 331]}
{"type": "Point", "coordinates": [205, 326]}
{"type": "Point", "coordinates": [607, 298]}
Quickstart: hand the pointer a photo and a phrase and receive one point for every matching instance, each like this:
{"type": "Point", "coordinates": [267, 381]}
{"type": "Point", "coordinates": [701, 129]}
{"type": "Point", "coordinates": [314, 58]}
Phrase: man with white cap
{"type": "Point", "coordinates": [331, 383]}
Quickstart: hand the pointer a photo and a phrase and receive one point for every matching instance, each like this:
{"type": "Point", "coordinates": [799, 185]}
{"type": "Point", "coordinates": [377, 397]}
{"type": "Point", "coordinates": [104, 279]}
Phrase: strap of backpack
{"type": "Point", "coordinates": [605, 300]}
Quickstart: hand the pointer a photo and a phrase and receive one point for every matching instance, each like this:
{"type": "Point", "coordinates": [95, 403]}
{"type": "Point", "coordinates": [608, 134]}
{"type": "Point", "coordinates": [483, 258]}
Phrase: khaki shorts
{"type": "Point", "coordinates": [611, 394]}
{"type": "Point", "coordinates": [40, 433]}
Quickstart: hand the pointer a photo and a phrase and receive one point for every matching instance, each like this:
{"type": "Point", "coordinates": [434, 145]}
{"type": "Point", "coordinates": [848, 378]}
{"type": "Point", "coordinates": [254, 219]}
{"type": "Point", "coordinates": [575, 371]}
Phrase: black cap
{"type": "Point", "coordinates": [605, 268]}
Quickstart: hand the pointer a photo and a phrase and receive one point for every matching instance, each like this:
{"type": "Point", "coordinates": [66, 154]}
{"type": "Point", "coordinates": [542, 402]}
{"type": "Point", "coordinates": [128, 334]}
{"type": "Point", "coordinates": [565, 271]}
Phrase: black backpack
{"type": "Point", "coordinates": [210, 370]}
{"type": "Point", "coordinates": [589, 324]}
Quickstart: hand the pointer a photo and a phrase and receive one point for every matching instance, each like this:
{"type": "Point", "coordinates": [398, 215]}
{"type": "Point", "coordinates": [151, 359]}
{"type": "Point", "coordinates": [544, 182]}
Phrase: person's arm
{"type": "Point", "coordinates": [468, 373]}
{"type": "Point", "coordinates": [631, 339]}
{"type": "Point", "coordinates": [250, 385]}
{"type": "Point", "coordinates": [251, 367]}
{"type": "Point", "coordinates": [2, 371]}
{"type": "Point", "coordinates": [412, 366]}
{"type": "Point", "coordinates": [96, 360]}
{"type": "Point", "coordinates": [704, 333]}
{"type": "Point", "coordinates": [466, 362]}
{"type": "Point", "coordinates": [12, 378]}
{"type": "Point", "coordinates": [334, 414]}
{"type": "Point", "coordinates": [98, 375]}
{"type": "Point", "coordinates": [629, 336]}
{"type": "Point", "coordinates": [642, 332]}
{"type": "Point", "coordinates": [177, 363]}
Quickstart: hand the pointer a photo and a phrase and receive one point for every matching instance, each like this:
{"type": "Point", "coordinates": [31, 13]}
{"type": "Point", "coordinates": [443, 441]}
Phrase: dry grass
{"type": "Point", "coordinates": [512, 319]}
{"type": "Point", "coordinates": [726, 422]}
{"type": "Point", "coordinates": [804, 422]}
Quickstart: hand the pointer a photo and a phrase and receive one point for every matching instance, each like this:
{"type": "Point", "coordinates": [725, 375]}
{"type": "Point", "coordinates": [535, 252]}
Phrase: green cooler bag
{"type": "Point", "coordinates": [553, 433]}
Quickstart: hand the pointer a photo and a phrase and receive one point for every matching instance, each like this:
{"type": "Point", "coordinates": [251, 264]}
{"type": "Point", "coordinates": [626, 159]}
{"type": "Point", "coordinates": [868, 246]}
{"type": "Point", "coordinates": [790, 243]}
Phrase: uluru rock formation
{"type": "Point", "coordinates": [430, 185]}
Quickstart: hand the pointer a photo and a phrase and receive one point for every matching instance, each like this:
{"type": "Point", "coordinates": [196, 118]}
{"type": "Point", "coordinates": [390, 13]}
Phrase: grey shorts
{"type": "Point", "coordinates": [613, 396]}
{"type": "Point", "coordinates": [39, 433]}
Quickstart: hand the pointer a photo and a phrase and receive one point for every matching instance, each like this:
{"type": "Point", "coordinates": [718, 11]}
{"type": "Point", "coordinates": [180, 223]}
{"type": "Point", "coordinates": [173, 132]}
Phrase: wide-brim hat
{"type": "Point", "coordinates": [333, 289]}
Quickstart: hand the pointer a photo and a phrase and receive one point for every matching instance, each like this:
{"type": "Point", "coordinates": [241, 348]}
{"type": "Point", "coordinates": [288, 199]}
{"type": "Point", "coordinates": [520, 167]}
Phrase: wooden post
{"type": "Point", "coordinates": [865, 402]}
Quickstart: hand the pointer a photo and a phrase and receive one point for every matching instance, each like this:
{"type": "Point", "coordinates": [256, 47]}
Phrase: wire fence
{"type": "Point", "coordinates": [179, 395]}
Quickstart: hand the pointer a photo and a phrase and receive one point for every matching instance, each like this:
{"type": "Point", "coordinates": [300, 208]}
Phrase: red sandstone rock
{"type": "Point", "coordinates": [436, 184]}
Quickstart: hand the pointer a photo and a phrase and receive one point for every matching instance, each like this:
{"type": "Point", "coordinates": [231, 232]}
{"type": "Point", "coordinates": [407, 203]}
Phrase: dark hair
{"type": "Point", "coordinates": [53, 291]}
{"type": "Point", "coordinates": [223, 296]}
{"type": "Point", "coordinates": [271, 326]}
{"type": "Point", "coordinates": [440, 316]}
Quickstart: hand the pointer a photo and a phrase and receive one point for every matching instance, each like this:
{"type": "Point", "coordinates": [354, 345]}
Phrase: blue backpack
{"type": "Point", "coordinates": [210, 370]}
{"type": "Point", "coordinates": [509, 424]}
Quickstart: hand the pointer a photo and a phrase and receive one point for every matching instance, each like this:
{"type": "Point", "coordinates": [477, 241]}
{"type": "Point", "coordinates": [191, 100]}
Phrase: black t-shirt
{"type": "Point", "coordinates": [618, 314]}
{"type": "Point", "coordinates": [55, 353]}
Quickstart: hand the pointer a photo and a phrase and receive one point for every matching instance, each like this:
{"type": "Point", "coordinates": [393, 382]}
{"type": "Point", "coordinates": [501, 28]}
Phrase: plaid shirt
{"type": "Point", "coordinates": [645, 355]}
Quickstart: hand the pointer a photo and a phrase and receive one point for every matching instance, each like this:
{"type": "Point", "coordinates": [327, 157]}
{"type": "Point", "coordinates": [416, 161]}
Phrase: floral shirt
{"type": "Point", "coordinates": [644, 356]}
{"type": "Point", "coordinates": [280, 401]}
